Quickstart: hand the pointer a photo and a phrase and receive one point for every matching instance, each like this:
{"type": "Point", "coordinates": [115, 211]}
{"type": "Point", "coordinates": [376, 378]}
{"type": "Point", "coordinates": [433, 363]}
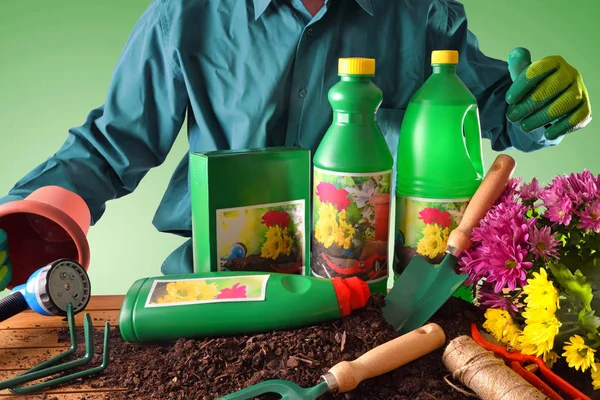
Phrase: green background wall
{"type": "Point", "coordinates": [56, 58]}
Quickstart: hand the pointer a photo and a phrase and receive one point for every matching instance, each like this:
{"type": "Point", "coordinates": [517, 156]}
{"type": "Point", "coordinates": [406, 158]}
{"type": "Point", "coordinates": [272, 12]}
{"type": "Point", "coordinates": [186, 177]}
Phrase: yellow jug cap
{"type": "Point", "coordinates": [444, 57]}
{"type": "Point", "coordinates": [356, 66]}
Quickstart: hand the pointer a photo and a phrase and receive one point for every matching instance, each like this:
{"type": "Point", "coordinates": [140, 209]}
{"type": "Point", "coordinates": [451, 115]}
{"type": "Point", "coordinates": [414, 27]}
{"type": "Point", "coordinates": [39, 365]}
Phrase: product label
{"type": "Point", "coordinates": [422, 228]}
{"type": "Point", "coordinates": [266, 237]}
{"type": "Point", "coordinates": [351, 214]}
{"type": "Point", "coordinates": [164, 293]}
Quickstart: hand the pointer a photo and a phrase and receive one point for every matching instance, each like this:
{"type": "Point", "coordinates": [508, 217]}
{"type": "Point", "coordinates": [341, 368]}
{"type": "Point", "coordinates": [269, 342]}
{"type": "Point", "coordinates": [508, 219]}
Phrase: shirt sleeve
{"type": "Point", "coordinates": [132, 132]}
{"type": "Point", "coordinates": [487, 78]}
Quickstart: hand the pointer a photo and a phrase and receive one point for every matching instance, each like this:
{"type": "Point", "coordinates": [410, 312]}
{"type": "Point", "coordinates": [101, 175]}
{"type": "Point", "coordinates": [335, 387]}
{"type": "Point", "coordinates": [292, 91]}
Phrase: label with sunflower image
{"type": "Point", "coordinates": [264, 237]}
{"type": "Point", "coordinates": [177, 292]}
{"type": "Point", "coordinates": [422, 228]}
{"type": "Point", "coordinates": [351, 225]}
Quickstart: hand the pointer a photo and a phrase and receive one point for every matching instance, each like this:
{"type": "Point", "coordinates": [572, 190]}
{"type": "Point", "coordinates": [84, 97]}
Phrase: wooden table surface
{"type": "Point", "coordinates": [28, 339]}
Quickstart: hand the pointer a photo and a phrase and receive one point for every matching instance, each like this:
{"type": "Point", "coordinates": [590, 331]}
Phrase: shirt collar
{"type": "Point", "coordinates": [261, 5]}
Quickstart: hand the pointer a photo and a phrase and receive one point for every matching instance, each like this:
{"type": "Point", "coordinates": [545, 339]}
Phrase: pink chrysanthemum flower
{"type": "Point", "coordinates": [472, 263]}
{"type": "Point", "coordinates": [506, 260]}
{"type": "Point", "coordinates": [530, 192]}
{"type": "Point", "coordinates": [589, 218]}
{"type": "Point", "coordinates": [580, 187]}
{"type": "Point", "coordinates": [498, 220]}
{"type": "Point", "coordinates": [559, 207]}
{"type": "Point", "coordinates": [487, 298]}
{"type": "Point", "coordinates": [543, 243]}
{"type": "Point", "coordinates": [510, 192]}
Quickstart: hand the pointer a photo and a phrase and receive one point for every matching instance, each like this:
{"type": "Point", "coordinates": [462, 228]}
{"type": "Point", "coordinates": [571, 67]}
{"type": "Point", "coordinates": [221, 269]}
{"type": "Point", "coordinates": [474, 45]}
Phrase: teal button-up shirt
{"type": "Point", "coordinates": [255, 73]}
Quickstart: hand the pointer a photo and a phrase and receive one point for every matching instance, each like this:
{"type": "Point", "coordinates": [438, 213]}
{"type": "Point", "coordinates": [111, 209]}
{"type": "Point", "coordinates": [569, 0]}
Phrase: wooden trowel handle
{"type": "Point", "coordinates": [487, 193]}
{"type": "Point", "coordinates": [346, 375]}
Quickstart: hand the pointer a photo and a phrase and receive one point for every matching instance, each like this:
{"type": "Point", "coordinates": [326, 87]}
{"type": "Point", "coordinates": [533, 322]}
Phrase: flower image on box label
{"type": "Point", "coordinates": [351, 225]}
{"type": "Point", "coordinates": [207, 290]}
{"type": "Point", "coordinates": [266, 237]}
{"type": "Point", "coordinates": [422, 228]}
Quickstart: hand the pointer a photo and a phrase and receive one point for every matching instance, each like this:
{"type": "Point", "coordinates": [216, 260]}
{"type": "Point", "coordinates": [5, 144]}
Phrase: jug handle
{"type": "Point", "coordinates": [472, 138]}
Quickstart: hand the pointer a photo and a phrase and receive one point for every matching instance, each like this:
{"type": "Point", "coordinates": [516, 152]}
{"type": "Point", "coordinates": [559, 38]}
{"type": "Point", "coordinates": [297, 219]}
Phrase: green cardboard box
{"type": "Point", "coordinates": [251, 210]}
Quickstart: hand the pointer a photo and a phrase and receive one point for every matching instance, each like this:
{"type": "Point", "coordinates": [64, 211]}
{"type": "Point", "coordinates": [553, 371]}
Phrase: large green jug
{"type": "Point", "coordinates": [352, 183]}
{"type": "Point", "coordinates": [439, 163]}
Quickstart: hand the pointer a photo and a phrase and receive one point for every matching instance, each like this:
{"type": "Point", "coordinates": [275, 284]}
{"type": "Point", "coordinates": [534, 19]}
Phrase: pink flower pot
{"type": "Point", "coordinates": [49, 224]}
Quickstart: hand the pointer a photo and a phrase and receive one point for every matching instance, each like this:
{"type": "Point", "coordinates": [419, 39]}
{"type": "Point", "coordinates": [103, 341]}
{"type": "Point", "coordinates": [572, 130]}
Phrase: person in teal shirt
{"type": "Point", "coordinates": [256, 73]}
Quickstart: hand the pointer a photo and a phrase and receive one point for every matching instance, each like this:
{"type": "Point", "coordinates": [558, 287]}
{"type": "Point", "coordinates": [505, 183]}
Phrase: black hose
{"type": "Point", "coordinates": [11, 305]}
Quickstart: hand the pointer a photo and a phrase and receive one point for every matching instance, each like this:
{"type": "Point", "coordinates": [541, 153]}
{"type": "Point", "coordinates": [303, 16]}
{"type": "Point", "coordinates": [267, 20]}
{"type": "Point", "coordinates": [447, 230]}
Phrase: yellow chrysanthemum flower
{"type": "Point", "coordinates": [325, 230]}
{"type": "Point", "coordinates": [166, 299]}
{"type": "Point", "coordinates": [501, 325]}
{"type": "Point", "coordinates": [511, 336]}
{"type": "Point", "coordinates": [287, 243]}
{"type": "Point", "coordinates": [533, 315]}
{"type": "Point", "coordinates": [333, 227]}
{"type": "Point", "coordinates": [345, 231]}
{"type": "Point", "coordinates": [327, 211]}
{"type": "Point", "coordinates": [183, 291]}
{"type": "Point", "coordinates": [541, 293]}
{"type": "Point", "coordinates": [578, 354]}
{"type": "Point", "coordinates": [538, 335]}
{"type": "Point", "coordinates": [550, 358]}
{"type": "Point", "coordinates": [434, 240]}
{"type": "Point", "coordinates": [596, 376]}
{"type": "Point", "coordinates": [272, 246]}
{"type": "Point", "coordinates": [278, 242]}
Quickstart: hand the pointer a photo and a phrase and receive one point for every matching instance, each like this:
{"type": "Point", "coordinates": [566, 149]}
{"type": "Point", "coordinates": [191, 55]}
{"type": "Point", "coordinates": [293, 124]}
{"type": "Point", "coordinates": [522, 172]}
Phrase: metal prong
{"type": "Point", "coordinates": [76, 375]}
{"type": "Point", "coordinates": [42, 373]}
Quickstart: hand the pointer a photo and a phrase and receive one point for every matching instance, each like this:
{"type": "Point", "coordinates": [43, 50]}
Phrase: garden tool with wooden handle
{"type": "Point", "coordinates": [347, 375]}
{"type": "Point", "coordinates": [423, 287]}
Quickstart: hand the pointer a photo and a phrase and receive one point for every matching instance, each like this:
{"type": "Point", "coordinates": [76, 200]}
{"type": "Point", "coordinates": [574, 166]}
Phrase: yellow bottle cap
{"type": "Point", "coordinates": [444, 57]}
{"type": "Point", "coordinates": [356, 66]}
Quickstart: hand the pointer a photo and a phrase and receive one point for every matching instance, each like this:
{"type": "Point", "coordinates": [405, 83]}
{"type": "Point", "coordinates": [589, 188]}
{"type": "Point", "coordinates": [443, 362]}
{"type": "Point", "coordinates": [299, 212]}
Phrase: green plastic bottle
{"type": "Point", "coordinates": [439, 163]}
{"type": "Point", "coordinates": [168, 308]}
{"type": "Point", "coordinates": [352, 179]}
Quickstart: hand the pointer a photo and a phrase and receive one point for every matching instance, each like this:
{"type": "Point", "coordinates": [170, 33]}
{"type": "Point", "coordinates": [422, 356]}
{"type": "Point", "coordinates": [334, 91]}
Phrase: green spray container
{"type": "Point", "coordinates": [352, 173]}
{"type": "Point", "coordinates": [168, 308]}
{"type": "Point", "coordinates": [439, 163]}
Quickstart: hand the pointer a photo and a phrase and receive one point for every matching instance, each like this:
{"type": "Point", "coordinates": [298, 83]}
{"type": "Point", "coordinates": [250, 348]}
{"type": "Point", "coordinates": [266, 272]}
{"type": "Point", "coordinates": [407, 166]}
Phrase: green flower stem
{"type": "Point", "coordinates": [571, 313]}
{"type": "Point", "coordinates": [517, 293]}
{"type": "Point", "coordinates": [568, 332]}
{"type": "Point", "coordinates": [570, 323]}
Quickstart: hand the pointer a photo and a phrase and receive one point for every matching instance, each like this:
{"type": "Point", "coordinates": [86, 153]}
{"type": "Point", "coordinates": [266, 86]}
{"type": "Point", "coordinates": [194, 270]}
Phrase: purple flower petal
{"type": "Point", "coordinates": [589, 218]}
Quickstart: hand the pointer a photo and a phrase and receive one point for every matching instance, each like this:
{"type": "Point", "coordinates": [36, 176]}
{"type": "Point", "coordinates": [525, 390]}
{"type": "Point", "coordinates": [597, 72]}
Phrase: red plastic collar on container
{"type": "Point", "coordinates": [352, 293]}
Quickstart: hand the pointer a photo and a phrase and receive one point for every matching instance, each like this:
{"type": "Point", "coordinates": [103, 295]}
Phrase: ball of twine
{"type": "Point", "coordinates": [484, 373]}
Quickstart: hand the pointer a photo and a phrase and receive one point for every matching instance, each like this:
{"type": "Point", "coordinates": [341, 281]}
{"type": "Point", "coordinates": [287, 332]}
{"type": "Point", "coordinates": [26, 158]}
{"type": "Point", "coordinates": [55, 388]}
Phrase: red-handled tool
{"type": "Point", "coordinates": [525, 365]}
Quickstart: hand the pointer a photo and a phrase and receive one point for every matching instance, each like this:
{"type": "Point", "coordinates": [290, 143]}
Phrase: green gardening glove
{"type": "Point", "coordinates": [548, 93]}
{"type": "Point", "coordinates": [5, 267]}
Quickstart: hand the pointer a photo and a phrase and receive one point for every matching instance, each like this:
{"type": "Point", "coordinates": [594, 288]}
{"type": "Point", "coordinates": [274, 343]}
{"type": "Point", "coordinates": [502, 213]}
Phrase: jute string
{"type": "Point", "coordinates": [484, 373]}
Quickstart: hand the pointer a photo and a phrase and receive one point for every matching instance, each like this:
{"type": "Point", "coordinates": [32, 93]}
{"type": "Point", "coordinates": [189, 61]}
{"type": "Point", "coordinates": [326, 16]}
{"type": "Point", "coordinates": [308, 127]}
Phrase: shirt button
{"type": "Point", "coordinates": [302, 93]}
{"type": "Point", "coordinates": [310, 32]}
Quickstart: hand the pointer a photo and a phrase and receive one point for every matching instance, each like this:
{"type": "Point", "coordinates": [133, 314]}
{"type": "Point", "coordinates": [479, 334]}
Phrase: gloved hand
{"type": "Point", "coordinates": [549, 93]}
{"type": "Point", "coordinates": [5, 267]}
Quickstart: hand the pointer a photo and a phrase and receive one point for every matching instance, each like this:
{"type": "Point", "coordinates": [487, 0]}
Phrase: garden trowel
{"type": "Point", "coordinates": [423, 287]}
{"type": "Point", "coordinates": [346, 375]}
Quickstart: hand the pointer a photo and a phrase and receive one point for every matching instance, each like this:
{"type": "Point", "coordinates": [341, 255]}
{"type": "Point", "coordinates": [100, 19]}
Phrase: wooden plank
{"type": "Point", "coordinates": [31, 319]}
{"type": "Point", "coordinates": [29, 338]}
{"type": "Point", "coordinates": [106, 302]}
{"type": "Point", "coordinates": [23, 359]}
{"type": "Point", "coordinates": [73, 387]}
{"type": "Point", "coordinates": [53, 395]}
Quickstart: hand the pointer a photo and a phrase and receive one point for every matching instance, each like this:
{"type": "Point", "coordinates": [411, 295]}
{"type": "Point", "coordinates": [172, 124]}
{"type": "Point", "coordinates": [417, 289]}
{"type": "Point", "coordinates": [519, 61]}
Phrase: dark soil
{"type": "Point", "coordinates": [254, 262]}
{"type": "Point", "coordinates": [208, 368]}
